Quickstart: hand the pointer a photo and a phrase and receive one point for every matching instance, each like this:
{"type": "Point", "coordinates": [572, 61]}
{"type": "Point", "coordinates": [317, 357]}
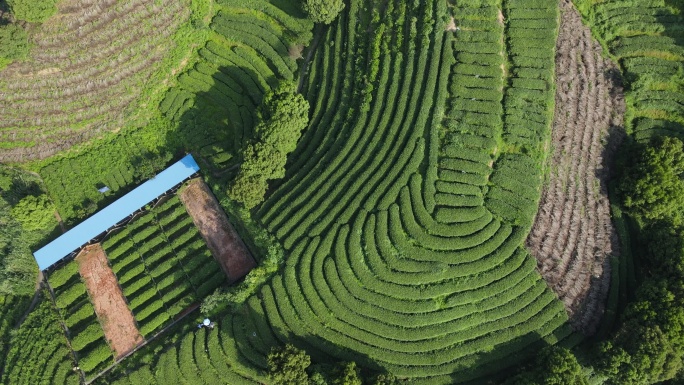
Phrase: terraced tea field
{"type": "Point", "coordinates": [88, 66]}
{"type": "Point", "coordinates": [444, 216]}
{"type": "Point", "coordinates": [250, 48]}
{"type": "Point", "coordinates": [407, 203]}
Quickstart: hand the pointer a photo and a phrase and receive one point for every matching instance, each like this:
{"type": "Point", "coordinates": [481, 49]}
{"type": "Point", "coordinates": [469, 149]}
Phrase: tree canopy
{"type": "Point", "coordinates": [653, 184]}
{"type": "Point", "coordinates": [287, 365]}
{"type": "Point", "coordinates": [323, 11]}
{"type": "Point", "coordinates": [13, 42]}
{"type": "Point", "coordinates": [35, 11]}
{"type": "Point", "coordinates": [34, 212]}
{"type": "Point", "coordinates": [281, 118]}
{"type": "Point", "coordinates": [554, 365]}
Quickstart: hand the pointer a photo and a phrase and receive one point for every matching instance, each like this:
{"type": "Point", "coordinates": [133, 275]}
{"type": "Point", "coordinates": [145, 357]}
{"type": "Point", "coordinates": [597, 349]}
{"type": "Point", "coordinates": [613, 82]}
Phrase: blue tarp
{"type": "Point", "coordinates": [115, 212]}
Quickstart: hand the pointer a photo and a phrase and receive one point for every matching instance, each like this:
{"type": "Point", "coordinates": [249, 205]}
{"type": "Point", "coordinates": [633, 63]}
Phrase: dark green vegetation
{"type": "Point", "coordinates": [281, 118]}
{"type": "Point", "coordinates": [32, 10]}
{"type": "Point", "coordinates": [553, 366]}
{"type": "Point", "coordinates": [42, 357]}
{"type": "Point", "coordinates": [13, 43]}
{"type": "Point", "coordinates": [323, 11]}
{"type": "Point", "coordinates": [653, 184]}
{"type": "Point", "coordinates": [84, 330]}
{"type": "Point", "coordinates": [395, 232]}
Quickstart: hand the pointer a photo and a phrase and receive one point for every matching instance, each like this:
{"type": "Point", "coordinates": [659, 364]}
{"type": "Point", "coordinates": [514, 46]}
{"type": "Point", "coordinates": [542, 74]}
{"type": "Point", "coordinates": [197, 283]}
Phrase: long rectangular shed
{"type": "Point", "coordinates": [108, 217]}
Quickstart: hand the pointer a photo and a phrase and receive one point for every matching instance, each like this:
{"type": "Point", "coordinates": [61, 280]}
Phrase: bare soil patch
{"type": "Point", "coordinates": [573, 236]}
{"type": "Point", "coordinates": [221, 237]}
{"type": "Point", "coordinates": [115, 316]}
{"type": "Point", "coordinates": [451, 27]}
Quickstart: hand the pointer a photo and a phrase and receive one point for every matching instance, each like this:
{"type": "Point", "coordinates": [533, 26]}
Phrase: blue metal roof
{"type": "Point", "coordinates": [115, 212]}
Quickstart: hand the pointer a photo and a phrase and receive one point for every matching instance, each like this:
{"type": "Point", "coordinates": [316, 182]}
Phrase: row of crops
{"type": "Point", "coordinates": [199, 357]}
{"type": "Point", "coordinates": [78, 315]}
{"type": "Point", "coordinates": [532, 27]}
{"type": "Point", "coordinates": [12, 307]}
{"type": "Point", "coordinates": [42, 357]}
{"type": "Point", "coordinates": [162, 264]}
{"type": "Point", "coordinates": [645, 39]}
{"type": "Point", "coordinates": [88, 68]}
{"type": "Point", "coordinates": [394, 258]}
{"type": "Point", "coordinates": [163, 267]}
{"type": "Point", "coordinates": [252, 45]}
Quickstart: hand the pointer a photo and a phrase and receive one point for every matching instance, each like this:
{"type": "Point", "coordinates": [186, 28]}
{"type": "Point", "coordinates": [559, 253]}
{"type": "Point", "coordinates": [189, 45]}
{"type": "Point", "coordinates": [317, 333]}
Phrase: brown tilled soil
{"type": "Point", "coordinates": [221, 237]}
{"type": "Point", "coordinates": [115, 316]}
{"type": "Point", "coordinates": [573, 237]}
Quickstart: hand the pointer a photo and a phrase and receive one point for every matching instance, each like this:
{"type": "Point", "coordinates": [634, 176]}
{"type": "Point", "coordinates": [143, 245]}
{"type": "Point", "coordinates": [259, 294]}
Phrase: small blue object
{"type": "Point", "coordinates": [115, 212]}
{"type": "Point", "coordinates": [206, 322]}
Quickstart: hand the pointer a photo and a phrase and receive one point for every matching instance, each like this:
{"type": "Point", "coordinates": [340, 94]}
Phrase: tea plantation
{"type": "Point", "coordinates": [413, 231]}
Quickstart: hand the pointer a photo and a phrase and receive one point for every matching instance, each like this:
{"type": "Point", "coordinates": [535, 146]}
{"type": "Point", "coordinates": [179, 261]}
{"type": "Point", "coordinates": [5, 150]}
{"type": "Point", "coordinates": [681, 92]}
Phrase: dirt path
{"type": "Point", "coordinates": [34, 302]}
{"type": "Point", "coordinates": [319, 32]}
{"type": "Point", "coordinates": [573, 236]}
{"type": "Point", "coordinates": [221, 237]}
{"type": "Point", "coordinates": [115, 316]}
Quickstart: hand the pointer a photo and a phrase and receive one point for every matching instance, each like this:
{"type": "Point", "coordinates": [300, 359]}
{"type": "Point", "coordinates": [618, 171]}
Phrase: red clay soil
{"type": "Point", "coordinates": [115, 316]}
{"type": "Point", "coordinates": [221, 237]}
{"type": "Point", "coordinates": [573, 236]}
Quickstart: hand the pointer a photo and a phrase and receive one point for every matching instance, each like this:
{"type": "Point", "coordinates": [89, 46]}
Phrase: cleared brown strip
{"type": "Point", "coordinates": [573, 236]}
{"type": "Point", "coordinates": [221, 237]}
{"type": "Point", "coordinates": [115, 316]}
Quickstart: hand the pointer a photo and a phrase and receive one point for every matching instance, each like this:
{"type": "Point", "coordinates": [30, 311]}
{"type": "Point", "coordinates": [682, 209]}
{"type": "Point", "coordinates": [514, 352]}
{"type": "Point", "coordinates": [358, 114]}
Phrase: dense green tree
{"type": "Point", "coordinates": [287, 365]}
{"type": "Point", "coordinates": [554, 365]}
{"type": "Point", "coordinates": [649, 344]}
{"type": "Point", "coordinates": [35, 11]}
{"type": "Point", "coordinates": [281, 118]}
{"type": "Point", "coordinates": [13, 43]}
{"type": "Point", "coordinates": [35, 213]}
{"type": "Point", "coordinates": [346, 373]}
{"type": "Point", "coordinates": [385, 379]}
{"type": "Point", "coordinates": [323, 11]}
{"type": "Point", "coordinates": [653, 185]}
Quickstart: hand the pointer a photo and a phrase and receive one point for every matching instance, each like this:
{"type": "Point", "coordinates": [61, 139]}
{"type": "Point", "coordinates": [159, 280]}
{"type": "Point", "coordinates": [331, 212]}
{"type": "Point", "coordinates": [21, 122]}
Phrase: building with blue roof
{"type": "Point", "coordinates": [119, 210]}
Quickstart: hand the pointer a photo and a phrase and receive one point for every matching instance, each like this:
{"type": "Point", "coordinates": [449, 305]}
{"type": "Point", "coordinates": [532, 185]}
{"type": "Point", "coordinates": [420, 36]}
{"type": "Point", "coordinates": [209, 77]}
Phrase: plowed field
{"type": "Point", "coordinates": [221, 237]}
{"type": "Point", "coordinates": [115, 316]}
{"type": "Point", "coordinates": [573, 236]}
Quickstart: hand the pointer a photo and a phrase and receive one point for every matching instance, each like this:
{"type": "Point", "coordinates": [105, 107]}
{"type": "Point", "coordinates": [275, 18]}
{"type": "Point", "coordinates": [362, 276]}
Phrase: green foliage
{"type": "Point", "coordinates": [248, 189]}
{"type": "Point", "coordinates": [553, 366]}
{"type": "Point", "coordinates": [118, 161]}
{"type": "Point", "coordinates": [282, 116]}
{"type": "Point", "coordinates": [162, 264]}
{"type": "Point", "coordinates": [35, 11]}
{"type": "Point", "coordinates": [38, 350]}
{"type": "Point", "coordinates": [17, 266]}
{"type": "Point", "coordinates": [649, 344]}
{"type": "Point", "coordinates": [346, 373]}
{"type": "Point", "coordinates": [323, 11]}
{"type": "Point", "coordinates": [287, 365]}
{"type": "Point", "coordinates": [14, 43]}
{"type": "Point", "coordinates": [35, 213]}
{"type": "Point", "coordinates": [653, 183]}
